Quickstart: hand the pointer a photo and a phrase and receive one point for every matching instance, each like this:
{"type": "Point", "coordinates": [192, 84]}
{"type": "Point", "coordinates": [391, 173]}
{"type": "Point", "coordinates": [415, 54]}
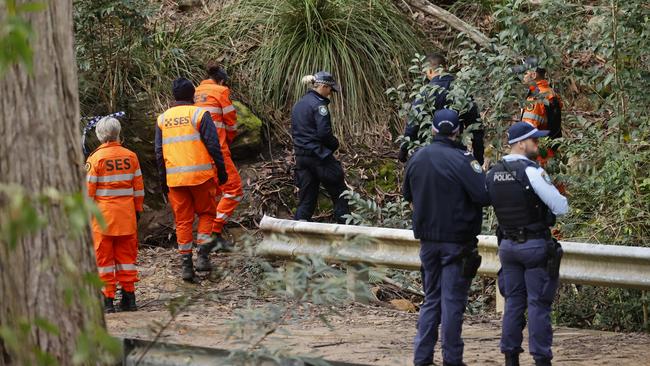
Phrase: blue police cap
{"type": "Point", "coordinates": [324, 77]}
{"type": "Point", "coordinates": [183, 89]}
{"type": "Point", "coordinates": [521, 131]}
{"type": "Point", "coordinates": [445, 122]}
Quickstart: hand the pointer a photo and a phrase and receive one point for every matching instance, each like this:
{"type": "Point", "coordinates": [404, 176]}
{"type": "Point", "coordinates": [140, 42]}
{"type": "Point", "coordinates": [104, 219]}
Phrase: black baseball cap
{"type": "Point", "coordinates": [324, 77]}
{"type": "Point", "coordinates": [521, 131]}
{"type": "Point", "coordinates": [445, 122]}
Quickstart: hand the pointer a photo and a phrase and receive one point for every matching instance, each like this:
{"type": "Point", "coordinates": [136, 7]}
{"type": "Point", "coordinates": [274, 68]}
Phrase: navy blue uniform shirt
{"type": "Point", "coordinates": [446, 186]}
{"type": "Point", "coordinates": [311, 126]}
{"type": "Point", "coordinates": [444, 82]}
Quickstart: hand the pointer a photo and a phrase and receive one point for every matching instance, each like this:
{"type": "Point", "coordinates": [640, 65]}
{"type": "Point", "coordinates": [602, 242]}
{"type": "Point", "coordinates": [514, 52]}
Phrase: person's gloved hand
{"type": "Point", "coordinates": [403, 155]}
{"type": "Point", "coordinates": [137, 216]}
{"type": "Point", "coordinates": [164, 188]}
{"type": "Point", "coordinates": [223, 176]}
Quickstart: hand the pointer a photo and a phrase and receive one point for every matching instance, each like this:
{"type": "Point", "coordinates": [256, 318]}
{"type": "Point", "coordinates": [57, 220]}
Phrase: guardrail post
{"type": "Point", "coordinates": [644, 302]}
{"type": "Point", "coordinates": [357, 282]}
{"type": "Point", "coordinates": [500, 300]}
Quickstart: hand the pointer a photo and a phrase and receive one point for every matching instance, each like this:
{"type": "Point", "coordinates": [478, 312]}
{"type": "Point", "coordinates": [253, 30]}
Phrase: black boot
{"type": "Point", "coordinates": [108, 304]}
{"type": "Point", "coordinates": [543, 362]}
{"type": "Point", "coordinates": [220, 244]}
{"type": "Point", "coordinates": [445, 363]}
{"type": "Point", "coordinates": [203, 263]}
{"type": "Point", "coordinates": [512, 359]}
{"type": "Point", "coordinates": [127, 303]}
{"type": "Point", "coordinates": [188, 268]}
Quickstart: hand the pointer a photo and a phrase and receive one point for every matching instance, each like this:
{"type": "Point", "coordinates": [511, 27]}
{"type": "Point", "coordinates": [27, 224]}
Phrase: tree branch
{"type": "Point", "coordinates": [453, 21]}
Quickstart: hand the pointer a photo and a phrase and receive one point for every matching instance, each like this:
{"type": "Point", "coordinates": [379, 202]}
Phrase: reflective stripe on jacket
{"type": "Point", "coordinates": [187, 160]}
{"type": "Point", "coordinates": [534, 111]}
{"type": "Point", "coordinates": [215, 99]}
{"type": "Point", "coordinates": [115, 183]}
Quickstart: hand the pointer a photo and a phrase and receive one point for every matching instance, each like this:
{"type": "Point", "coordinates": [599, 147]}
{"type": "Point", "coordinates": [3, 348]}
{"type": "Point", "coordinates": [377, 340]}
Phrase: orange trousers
{"type": "Point", "coordinates": [228, 195]}
{"type": "Point", "coordinates": [116, 257]}
{"type": "Point", "coordinates": [188, 201]}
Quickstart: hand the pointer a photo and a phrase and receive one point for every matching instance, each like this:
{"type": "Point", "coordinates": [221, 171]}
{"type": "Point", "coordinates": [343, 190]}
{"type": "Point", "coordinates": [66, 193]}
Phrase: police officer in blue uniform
{"type": "Point", "coordinates": [446, 186]}
{"type": "Point", "coordinates": [314, 145]}
{"type": "Point", "coordinates": [525, 202]}
{"type": "Point", "coordinates": [443, 82]}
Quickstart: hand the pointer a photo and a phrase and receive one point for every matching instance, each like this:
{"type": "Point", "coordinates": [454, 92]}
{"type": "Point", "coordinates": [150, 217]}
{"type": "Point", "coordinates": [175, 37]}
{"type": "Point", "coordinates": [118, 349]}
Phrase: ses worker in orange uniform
{"type": "Point", "coordinates": [213, 96]}
{"type": "Point", "coordinates": [115, 184]}
{"type": "Point", "coordinates": [187, 152]}
{"type": "Point", "coordinates": [543, 109]}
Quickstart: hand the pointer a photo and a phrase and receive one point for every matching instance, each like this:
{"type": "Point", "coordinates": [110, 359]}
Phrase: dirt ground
{"type": "Point", "coordinates": [373, 334]}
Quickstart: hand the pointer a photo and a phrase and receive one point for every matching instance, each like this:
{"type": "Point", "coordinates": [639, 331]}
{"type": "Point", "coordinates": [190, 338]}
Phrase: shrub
{"type": "Point", "coordinates": [363, 44]}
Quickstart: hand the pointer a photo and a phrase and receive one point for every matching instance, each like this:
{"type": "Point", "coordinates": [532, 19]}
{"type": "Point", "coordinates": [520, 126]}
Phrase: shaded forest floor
{"type": "Point", "coordinates": [375, 334]}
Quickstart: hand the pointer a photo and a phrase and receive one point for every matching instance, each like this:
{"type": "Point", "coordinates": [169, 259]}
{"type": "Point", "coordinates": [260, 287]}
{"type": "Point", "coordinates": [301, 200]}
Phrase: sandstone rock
{"type": "Point", "coordinates": [248, 143]}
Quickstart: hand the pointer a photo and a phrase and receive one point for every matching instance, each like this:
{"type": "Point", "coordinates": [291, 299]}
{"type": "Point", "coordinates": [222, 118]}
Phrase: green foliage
{"type": "Point", "coordinates": [366, 212]}
{"type": "Point", "coordinates": [363, 43]}
{"type": "Point", "coordinates": [591, 307]}
{"type": "Point", "coordinates": [136, 68]}
{"type": "Point", "coordinates": [16, 34]}
{"type": "Point", "coordinates": [305, 281]}
{"type": "Point", "coordinates": [417, 103]}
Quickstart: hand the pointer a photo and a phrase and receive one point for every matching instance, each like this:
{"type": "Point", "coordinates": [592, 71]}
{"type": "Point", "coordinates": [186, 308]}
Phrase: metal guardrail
{"type": "Point", "coordinates": [583, 263]}
{"type": "Point", "coordinates": [139, 352]}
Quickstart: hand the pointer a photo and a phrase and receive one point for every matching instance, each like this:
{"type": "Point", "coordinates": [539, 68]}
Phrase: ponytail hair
{"type": "Point", "coordinates": [216, 72]}
{"type": "Point", "coordinates": [308, 79]}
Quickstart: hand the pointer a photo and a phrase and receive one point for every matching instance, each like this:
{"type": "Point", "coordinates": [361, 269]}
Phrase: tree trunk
{"type": "Point", "coordinates": [40, 148]}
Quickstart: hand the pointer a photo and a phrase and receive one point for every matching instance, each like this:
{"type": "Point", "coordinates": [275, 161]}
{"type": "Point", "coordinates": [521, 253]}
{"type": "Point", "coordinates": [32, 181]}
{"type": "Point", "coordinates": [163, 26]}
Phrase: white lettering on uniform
{"type": "Point", "coordinates": [503, 177]}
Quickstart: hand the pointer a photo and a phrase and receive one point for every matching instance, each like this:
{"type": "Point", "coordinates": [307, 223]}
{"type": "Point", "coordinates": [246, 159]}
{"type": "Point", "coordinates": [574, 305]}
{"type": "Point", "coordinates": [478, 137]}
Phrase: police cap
{"type": "Point", "coordinates": [521, 131]}
{"type": "Point", "coordinates": [324, 77]}
{"type": "Point", "coordinates": [445, 122]}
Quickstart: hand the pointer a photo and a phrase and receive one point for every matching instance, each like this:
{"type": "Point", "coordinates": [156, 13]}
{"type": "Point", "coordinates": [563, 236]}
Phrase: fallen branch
{"type": "Point", "coordinates": [453, 21]}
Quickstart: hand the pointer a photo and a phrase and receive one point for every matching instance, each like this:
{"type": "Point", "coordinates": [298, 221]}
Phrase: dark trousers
{"type": "Point", "coordinates": [445, 299]}
{"type": "Point", "coordinates": [311, 172]}
{"type": "Point", "coordinates": [524, 282]}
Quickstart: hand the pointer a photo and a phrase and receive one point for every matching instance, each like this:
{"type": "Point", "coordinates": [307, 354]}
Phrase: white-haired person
{"type": "Point", "coordinates": [314, 145]}
{"type": "Point", "coordinates": [115, 184]}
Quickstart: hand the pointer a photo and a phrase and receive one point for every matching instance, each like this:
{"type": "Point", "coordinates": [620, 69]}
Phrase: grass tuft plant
{"type": "Point", "coordinates": [365, 44]}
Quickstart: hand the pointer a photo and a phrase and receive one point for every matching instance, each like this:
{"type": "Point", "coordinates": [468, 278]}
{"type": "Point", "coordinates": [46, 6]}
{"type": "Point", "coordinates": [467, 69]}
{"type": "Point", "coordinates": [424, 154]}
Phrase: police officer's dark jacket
{"type": "Point", "coordinates": [311, 127]}
{"type": "Point", "coordinates": [444, 83]}
{"type": "Point", "coordinates": [447, 188]}
{"type": "Point", "coordinates": [515, 202]}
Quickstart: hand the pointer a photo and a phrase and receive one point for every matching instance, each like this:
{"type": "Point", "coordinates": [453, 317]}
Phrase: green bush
{"type": "Point", "coordinates": [363, 43]}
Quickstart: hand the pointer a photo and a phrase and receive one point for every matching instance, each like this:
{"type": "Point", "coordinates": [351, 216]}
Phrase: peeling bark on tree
{"type": "Point", "coordinates": [453, 21]}
{"type": "Point", "coordinates": [40, 148]}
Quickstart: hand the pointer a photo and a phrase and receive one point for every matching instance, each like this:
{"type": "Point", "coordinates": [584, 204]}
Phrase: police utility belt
{"type": "Point", "coordinates": [554, 251]}
{"type": "Point", "coordinates": [521, 235]}
{"type": "Point", "coordinates": [303, 152]}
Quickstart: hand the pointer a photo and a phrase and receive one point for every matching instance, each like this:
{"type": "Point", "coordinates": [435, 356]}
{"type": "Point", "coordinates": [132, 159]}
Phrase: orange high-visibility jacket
{"type": "Point", "coordinates": [115, 184]}
{"type": "Point", "coordinates": [187, 160]}
{"type": "Point", "coordinates": [216, 99]}
{"type": "Point", "coordinates": [534, 112]}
